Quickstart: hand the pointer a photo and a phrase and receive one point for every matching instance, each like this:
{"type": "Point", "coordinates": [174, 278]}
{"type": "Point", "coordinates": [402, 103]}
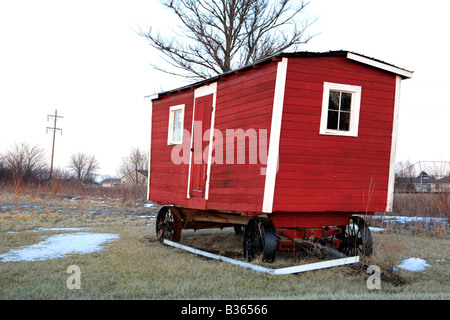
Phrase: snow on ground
{"type": "Point", "coordinates": [404, 219]}
{"type": "Point", "coordinates": [51, 229]}
{"type": "Point", "coordinates": [60, 245]}
{"type": "Point", "coordinates": [149, 205]}
{"type": "Point", "coordinates": [413, 264]}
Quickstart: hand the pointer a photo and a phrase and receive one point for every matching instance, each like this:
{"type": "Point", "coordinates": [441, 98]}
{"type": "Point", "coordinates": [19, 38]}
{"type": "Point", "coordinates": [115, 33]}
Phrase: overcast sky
{"type": "Point", "coordinates": [85, 59]}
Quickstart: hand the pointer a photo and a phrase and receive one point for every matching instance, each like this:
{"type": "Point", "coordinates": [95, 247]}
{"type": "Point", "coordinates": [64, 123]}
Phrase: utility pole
{"type": "Point", "coordinates": [54, 128]}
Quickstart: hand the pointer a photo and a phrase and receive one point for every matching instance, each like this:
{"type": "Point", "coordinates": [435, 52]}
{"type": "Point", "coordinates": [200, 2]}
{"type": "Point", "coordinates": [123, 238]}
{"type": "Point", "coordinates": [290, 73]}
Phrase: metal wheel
{"type": "Point", "coordinates": [169, 224]}
{"type": "Point", "coordinates": [259, 240]}
{"type": "Point", "coordinates": [355, 238]}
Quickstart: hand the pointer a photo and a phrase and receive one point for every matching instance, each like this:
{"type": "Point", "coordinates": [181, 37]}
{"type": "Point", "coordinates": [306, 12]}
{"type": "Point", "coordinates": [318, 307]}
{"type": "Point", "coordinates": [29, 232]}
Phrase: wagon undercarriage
{"type": "Point", "coordinates": [264, 235]}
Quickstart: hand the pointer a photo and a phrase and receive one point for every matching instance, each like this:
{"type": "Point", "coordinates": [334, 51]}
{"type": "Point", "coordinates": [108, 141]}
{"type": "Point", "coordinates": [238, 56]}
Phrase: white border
{"type": "Point", "coordinates": [255, 267]}
{"type": "Point", "coordinates": [205, 90]}
{"type": "Point", "coordinates": [150, 150]}
{"type": "Point", "coordinates": [201, 92]}
{"type": "Point", "coordinates": [391, 181]}
{"type": "Point", "coordinates": [379, 65]}
{"type": "Point", "coordinates": [152, 97]}
{"type": "Point", "coordinates": [170, 141]}
{"type": "Point", "coordinates": [354, 109]}
{"type": "Point", "coordinates": [275, 132]}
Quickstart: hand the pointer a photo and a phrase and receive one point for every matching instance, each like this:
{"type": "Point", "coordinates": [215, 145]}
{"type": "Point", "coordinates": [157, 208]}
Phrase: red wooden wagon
{"type": "Point", "coordinates": [293, 147]}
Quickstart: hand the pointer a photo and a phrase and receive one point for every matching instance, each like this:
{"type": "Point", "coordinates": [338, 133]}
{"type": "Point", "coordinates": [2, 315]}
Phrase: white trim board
{"type": "Point", "coordinates": [211, 140]}
{"type": "Point", "coordinates": [391, 181]}
{"type": "Point", "coordinates": [255, 267]}
{"type": "Point", "coordinates": [150, 151]}
{"type": "Point", "coordinates": [206, 90]}
{"type": "Point", "coordinates": [275, 132]}
{"type": "Point", "coordinates": [379, 65]}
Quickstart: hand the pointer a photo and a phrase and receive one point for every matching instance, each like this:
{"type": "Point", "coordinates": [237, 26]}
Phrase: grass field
{"type": "Point", "coordinates": [136, 266]}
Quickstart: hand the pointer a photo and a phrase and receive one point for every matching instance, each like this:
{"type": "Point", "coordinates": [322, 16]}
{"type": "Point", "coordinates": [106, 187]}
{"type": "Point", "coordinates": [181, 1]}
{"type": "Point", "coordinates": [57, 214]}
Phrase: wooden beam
{"type": "Point", "coordinates": [193, 215]}
{"type": "Point", "coordinates": [255, 267]}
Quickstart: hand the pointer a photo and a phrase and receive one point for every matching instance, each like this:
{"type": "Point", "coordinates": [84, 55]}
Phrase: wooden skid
{"type": "Point", "coordinates": [280, 271]}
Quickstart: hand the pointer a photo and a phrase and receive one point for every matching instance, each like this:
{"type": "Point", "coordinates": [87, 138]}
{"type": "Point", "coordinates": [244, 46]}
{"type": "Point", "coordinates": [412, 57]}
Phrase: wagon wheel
{"type": "Point", "coordinates": [169, 224]}
{"type": "Point", "coordinates": [259, 240]}
{"type": "Point", "coordinates": [355, 238]}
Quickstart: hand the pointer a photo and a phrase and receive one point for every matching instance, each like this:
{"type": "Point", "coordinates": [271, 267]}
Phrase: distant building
{"type": "Point", "coordinates": [423, 183]}
{"type": "Point", "coordinates": [135, 177]}
{"type": "Point", "coordinates": [110, 182]}
{"type": "Point", "coordinates": [441, 185]}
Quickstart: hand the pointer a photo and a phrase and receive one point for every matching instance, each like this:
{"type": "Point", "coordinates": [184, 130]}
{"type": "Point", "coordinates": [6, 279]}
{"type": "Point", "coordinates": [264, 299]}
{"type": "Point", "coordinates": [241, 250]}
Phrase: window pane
{"type": "Point", "coordinates": [346, 101]}
{"type": "Point", "coordinates": [333, 103]}
{"type": "Point", "coordinates": [344, 121]}
{"type": "Point", "coordinates": [177, 130]}
{"type": "Point", "coordinates": [332, 119]}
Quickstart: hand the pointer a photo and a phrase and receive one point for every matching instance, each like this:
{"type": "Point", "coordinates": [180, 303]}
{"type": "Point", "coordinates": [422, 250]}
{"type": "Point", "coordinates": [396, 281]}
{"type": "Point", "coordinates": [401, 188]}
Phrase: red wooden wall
{"type": "Point", "coordinates": [243, 102]}
{"type": "Point", "coordinates": [334, 173]}
{"type": "Point", "coordinates": [168, 181]}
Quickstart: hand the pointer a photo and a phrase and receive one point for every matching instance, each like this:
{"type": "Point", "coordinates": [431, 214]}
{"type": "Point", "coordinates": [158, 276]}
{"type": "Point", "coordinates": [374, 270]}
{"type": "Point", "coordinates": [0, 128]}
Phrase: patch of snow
{"type": "Point", "coordinates": [373, 229]}
{"type": "Point", "coordinates": [145, 217]}
{"type": "Point", "coordinates": [404, 219]}
{"type": "Point", "coordinates": [59, 229]}
{"type": "Point", "coordinates": [96, 201]}
{"type": "Point", "coordinates": [60, 245]}
{"type": "Point", "coordinates": [413, 264]}
{"type": "Point", "coordinates": [149, 205]}
{"type": "Point", "coordinates": [51, 229]}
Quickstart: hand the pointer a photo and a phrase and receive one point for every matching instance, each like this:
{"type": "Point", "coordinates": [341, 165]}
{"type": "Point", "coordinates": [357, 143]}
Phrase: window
{"type": "Point", "coordinates": [340, 109]}
{"type": "Point", "coordinates": [176, 120]}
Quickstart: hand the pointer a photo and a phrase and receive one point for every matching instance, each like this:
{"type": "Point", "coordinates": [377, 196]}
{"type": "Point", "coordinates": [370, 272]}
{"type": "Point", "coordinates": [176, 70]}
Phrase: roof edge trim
{"type": "Point", "coordinates": [380, 65]}
{"type": "Point", "coordinates": [152, 97]}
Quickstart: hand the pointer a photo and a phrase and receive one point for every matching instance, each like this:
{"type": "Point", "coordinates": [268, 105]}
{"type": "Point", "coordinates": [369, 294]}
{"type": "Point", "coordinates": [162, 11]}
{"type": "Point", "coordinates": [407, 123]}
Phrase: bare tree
{"type": "Point", "coordinates": [222, 35]}
{"type": "Point", "coordinates": [404, 175]}
{"type": "Point", "coordinates": [405, 169]}
{"type": "Point", "coordinates": [4, 170]}
{"type": "Point", "coordinates": [25, 162]}
{"type": "Point", "coordinates": [84, 166]}
{"type": "Point", "coordinates": [135, 166]}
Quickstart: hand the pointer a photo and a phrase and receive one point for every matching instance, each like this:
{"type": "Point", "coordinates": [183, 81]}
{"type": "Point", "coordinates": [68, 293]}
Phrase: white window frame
{"type": "Point", "coordinates": [170, 140]}
{"type": "Point", "coordinates": [354, 109]}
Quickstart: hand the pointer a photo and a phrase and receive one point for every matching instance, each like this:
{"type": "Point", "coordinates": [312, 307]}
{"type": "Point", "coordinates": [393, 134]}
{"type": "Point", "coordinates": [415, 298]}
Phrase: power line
{"type": "Point", "coordinates": [54, 129]}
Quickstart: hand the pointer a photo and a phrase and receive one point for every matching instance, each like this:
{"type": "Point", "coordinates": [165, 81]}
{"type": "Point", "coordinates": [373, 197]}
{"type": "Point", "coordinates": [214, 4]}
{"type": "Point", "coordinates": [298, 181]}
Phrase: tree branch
{"type": "Point", "coordinates": [222, 35]}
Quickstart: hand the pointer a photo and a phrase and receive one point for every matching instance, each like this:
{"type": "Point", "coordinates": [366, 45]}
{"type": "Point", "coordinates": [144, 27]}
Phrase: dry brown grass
{"type": "Point", "coordinates": [420, 205]}
{"type": "Point", "coordinates": [127, 195]}
{"type": "Point", "coordinates": [138, 267]}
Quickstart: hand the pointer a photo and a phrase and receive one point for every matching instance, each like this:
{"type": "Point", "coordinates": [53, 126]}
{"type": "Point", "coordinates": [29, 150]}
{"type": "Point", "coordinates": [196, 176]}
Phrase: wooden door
{"type": "Point", "coordinates": [199, 165]}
